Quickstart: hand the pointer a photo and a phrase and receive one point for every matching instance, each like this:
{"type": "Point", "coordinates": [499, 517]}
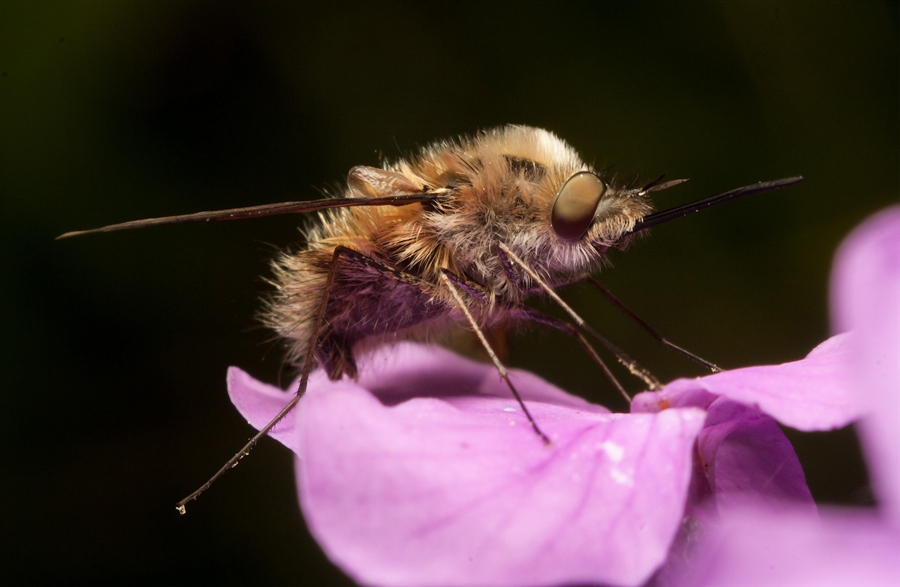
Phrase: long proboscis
{"type": "Point", "coordinates": [261, 211]}
{"type": "Point", "coordinates": [686, 209]}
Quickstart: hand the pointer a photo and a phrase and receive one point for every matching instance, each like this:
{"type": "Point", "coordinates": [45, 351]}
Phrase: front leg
{"type": "Point", "coordinates": [532, 315]}
{"type": "Point", "coordinates": [633, 367]}
{"type": "Point", "coordinates": [455, 285]}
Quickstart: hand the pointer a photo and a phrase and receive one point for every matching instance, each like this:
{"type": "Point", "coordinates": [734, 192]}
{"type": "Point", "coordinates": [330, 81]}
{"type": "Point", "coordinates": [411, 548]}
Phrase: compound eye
{"type": "Point", "coordinates": [576, 204]}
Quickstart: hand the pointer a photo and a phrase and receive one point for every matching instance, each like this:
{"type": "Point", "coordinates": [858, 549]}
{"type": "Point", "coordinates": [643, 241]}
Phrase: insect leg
{"type": "Point", "coordinates": [623, 358]}
{"type": "Point", "coordinates": [301, 389]}
{"type": "Point", "coordinates": [454, 288]}
{"type": "Point", "coordinates": [650, 330]}
{"type": "Point", "coordinates": [541, 318]}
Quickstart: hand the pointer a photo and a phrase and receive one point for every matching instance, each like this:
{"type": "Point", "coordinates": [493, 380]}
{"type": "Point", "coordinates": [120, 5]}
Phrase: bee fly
{"type": "Point", "coordinates": [459, 235]}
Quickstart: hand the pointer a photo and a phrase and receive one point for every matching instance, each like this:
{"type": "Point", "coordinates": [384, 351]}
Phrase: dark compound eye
{"type": "Point", "coordinates": [576, 204]}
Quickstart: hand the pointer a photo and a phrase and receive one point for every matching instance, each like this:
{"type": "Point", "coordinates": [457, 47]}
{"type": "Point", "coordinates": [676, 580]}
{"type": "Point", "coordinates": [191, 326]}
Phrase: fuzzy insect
{"type": "Point", "coordinates": [457, 236]}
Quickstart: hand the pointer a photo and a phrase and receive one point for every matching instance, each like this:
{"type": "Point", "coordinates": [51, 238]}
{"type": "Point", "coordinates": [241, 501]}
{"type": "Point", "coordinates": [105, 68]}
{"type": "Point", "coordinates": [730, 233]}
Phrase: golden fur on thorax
{"type": "Point", "coordinates": [498, 186]}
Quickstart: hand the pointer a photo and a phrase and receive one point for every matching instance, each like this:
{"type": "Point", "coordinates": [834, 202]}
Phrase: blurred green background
{"type": "Point", "coordinates": [114, 347]}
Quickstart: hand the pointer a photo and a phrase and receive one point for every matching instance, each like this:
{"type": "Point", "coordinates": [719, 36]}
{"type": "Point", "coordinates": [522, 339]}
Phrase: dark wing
{"type": "Point", "coordinates": [377, 187]}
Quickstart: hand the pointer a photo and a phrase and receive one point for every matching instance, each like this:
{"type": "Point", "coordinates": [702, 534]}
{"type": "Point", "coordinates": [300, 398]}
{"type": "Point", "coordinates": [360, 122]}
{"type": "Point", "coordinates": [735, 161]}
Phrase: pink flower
{"type": "Point", "coordinates": [764, 544]}
{"type": "Point", "coordinates": [742, 453]}
{"type": "Point", "coordinates": [426, 473]}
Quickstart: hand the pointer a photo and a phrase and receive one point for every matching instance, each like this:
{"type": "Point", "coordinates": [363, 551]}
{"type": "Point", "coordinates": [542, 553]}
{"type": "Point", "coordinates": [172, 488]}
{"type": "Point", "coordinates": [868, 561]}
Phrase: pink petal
{"type": "Point", "coordinates": [866, 300]}
{"type": "Point", "coordinates": [743, 454]}
{"type": "Point", "coordinates": [427, 493]}
{"type": "Point", "coordinates": [405, 371]}
{"type": "Point", "coordinates": [809, 394]}
{"type": "Point", "coordinates": [758, 548]}
{"type": "Point", "coordinates": [258, 402]}
{"type": "Point", "coordinates": [456, 489]}
{"type": "Point", "coordinates": [748, 459]}
{"type": "Point", "coordinates": [759, 545]}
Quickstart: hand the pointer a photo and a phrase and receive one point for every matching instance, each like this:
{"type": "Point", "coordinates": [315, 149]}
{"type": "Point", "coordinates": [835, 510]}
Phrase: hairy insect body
{"type": "Point", "coordinates": [498, 187]}
{"type": "Point", "coordinates": [459, 235]}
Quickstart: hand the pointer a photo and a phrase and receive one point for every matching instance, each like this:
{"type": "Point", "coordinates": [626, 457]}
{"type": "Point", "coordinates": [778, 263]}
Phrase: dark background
{"type": "Point", "coordinates": [114, 347]}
